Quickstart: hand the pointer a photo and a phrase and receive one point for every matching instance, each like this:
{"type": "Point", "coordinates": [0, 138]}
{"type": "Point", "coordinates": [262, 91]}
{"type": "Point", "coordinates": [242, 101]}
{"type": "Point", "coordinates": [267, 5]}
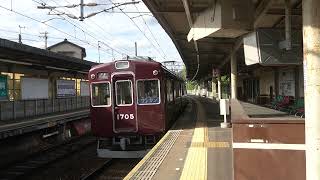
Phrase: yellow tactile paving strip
{"type": "Point", "coordinates": [211, 144]}
{"type": "Point", "coordinates": [195, 166]}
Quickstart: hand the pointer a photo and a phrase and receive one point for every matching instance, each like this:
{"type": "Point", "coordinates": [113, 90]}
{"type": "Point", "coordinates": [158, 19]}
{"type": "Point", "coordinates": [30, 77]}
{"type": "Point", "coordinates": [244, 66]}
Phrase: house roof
{"type": "Point", "coordinates": [65, 41]}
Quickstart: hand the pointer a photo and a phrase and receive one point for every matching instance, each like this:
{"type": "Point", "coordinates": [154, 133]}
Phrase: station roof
{"type": "Point", "coordinates": [13, 52]}
{"type": "Point", "coordinates": [213, 52]}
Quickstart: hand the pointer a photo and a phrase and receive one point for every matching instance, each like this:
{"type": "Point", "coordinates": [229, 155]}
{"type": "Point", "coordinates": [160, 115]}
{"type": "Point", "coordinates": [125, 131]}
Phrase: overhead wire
{"type": "Point", "coordinates": [198, 67]}
{"type": "Point", "coordinates": [139, 29]}
{"type": "Point", "coordinates": [26, 16]}
{"type": "Point", "coordinates": [81, 28]}
{"type": "Point", "coordinates": [16, 39]}
{"type": "Point", "coordinates": [77, 39]}
{"type": "Point", "coordinates": [11, 31]}
{"type": "Point", "coordinates": [93, 36]}
{"type": "Point", "coordinates": [34, 35]}
{"type": "Point", "coordinates": [150, 41]}
{"type": "Point", "coordinates": [150, 31]}
{"type": "Point", "coordinates": [102, 34]}
{"type": "Point", "coordinates": [103, 30]}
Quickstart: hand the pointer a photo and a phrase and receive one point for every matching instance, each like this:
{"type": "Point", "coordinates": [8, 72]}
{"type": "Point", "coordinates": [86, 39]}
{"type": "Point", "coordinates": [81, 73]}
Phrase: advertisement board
{"type": "Point", "coordinates": [34, 88]}
{"type": "Point", "coordinates": [287, 83]}
{"type": "Point", "coordinates": [65, 88]}
{"type": "Point", "coordinates": [3, 87]}
{"type": "Point", "coordinates": [84, 88]}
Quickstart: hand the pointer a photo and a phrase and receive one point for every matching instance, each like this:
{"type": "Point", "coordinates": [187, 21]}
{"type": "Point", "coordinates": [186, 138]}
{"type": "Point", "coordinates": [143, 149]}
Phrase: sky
{"type": "Point", "coordinates": [114, 31]}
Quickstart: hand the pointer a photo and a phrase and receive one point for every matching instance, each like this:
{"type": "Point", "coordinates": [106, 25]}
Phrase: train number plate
{"type": "Point", "coordinates": [125, 116]}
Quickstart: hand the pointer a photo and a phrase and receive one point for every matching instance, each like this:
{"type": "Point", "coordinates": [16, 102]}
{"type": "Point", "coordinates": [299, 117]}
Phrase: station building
{"type": "Point", "coordinates": [37, 83]}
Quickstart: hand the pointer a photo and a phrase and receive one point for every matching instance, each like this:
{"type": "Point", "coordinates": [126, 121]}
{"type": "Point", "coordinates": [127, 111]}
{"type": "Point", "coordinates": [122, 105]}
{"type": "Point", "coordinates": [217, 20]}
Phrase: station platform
{"type": "Point", "coordinates": [266, 135]}
{"type": "Point", "coordinates": [21, 126]}
{"type": "Point", "coordinates": [194, 148]}
{"type": "Point", "coordinates": [256, 111]}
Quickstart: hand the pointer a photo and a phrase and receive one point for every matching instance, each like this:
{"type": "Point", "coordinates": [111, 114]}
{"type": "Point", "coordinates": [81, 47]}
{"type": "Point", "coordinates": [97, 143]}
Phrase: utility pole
{"type": "Point", "coordinates": [20, 27]}
{"type": "Point", "coordinates": [112, 54]}
{"type": "Point", "coordinates": [99, 50]}
{"type": "Point", "coordinates": [136, 48]}
{"type": "Point", "coordinates": [45, 39]}
{"type": "Point", "coordinates": [81, 11]}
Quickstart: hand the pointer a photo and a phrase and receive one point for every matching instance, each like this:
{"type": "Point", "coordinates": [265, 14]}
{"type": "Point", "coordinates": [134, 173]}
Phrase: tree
{"type": "Point", "coordinates": [183, 73]}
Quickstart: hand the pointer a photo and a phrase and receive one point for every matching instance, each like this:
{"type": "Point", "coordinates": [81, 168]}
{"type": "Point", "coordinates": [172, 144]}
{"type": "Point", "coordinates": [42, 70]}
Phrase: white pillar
{"type": "Point", "coordinates": [233, 76]}
{"type": "Point", "coordinates": [219, 87]}
{"type": "Point", "coordinates": [288, 23]}
{"type": "Point", "coordinates": [213, 88]}
{"type": "Point", "coordinates": [311, 64]}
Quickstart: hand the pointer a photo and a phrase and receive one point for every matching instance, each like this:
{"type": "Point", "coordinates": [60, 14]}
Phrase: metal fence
{"type": "Point", "coordinates": [21, 109]}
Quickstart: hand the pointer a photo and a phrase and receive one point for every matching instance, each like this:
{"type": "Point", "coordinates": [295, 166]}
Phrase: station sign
{"type": "Point", "coordinates": [3, 87]}
{"type": "Point", "coordinates": [65, 88]}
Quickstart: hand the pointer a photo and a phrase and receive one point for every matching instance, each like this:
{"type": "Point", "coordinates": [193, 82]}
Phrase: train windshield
{"type": "Point", "coordinates": [101, 94]}
{"type": "Point", "coordinates": [148, 92]}
{"type": "Point", "coordinates": [124, 92]}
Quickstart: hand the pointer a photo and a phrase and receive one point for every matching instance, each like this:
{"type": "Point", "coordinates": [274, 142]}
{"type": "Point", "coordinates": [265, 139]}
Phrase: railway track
{"type": "Point", "coordinates": [97, 171]}
{"type": "Point", "coordinates": [37, 161]}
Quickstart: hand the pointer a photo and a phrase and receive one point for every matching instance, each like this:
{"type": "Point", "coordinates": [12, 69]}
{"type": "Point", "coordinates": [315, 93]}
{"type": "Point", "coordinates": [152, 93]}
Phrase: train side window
{"type": "Point", "coordinates": [148, 92]}
{"type": "Point", "coordinates": [100, 94]}
{"type": "Point", "coordinates": [124, 92]}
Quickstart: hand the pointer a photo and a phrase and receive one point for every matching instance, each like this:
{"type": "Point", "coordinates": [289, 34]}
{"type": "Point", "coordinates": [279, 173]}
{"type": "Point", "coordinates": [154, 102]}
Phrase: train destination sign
{"type": "Point", "coordinates": [103, 75]}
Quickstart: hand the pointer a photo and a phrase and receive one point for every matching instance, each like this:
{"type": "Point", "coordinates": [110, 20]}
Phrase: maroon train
{"type": "Point", "coordinates": [133, 102]}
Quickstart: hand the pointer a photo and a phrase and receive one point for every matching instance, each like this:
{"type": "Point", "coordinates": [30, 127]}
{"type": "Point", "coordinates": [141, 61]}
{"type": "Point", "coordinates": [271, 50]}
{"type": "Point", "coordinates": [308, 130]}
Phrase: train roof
{"type": "Point", "coordinates": [131, 59]}
{"type": "Point", "coordinates": [138, 59]}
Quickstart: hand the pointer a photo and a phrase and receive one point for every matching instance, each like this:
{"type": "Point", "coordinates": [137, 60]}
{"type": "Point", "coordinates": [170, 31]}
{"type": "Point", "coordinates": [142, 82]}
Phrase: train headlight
{"type": "Point", "coordinates": [93, 76]}
{"type": "Point", "coordinates": [155, 72]}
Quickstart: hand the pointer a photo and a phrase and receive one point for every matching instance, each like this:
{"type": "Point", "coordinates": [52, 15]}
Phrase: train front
{"type": "Point", "coordinates": [126, 109]}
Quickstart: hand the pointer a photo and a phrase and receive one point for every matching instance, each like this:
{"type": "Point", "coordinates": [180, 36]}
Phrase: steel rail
{"type": "Point", "coordinates": [41, 159]}
{"type": "Point", "coordinates": [95, 172]}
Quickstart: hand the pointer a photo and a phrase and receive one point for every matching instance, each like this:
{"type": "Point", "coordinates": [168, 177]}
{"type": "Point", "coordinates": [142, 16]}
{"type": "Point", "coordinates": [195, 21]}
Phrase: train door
{"type": "Point", "coordinates": [124, 111]}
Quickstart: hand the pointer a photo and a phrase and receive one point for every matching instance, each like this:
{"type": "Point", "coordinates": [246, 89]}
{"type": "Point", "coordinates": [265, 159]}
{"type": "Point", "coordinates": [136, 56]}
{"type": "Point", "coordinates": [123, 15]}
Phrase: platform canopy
{"type": "Point", "coordinates": [16, 53]}
{"type": "Point", "coordinates": [205, 32]}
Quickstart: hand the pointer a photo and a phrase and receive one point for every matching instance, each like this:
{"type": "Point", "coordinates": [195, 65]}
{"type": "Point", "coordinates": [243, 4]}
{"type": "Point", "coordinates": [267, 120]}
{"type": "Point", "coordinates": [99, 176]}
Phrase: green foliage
{"type": "Point", "coordinates": [225, 80]}
{"type": "Point", "coordinates": [191, 85]}
{"type": "Point", "coordinates": [183, 74]}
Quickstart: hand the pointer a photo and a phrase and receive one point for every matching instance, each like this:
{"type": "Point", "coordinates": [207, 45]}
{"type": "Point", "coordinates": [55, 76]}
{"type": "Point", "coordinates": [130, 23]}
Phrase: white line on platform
{"type": "Point", "coordinates": [268, 146]}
